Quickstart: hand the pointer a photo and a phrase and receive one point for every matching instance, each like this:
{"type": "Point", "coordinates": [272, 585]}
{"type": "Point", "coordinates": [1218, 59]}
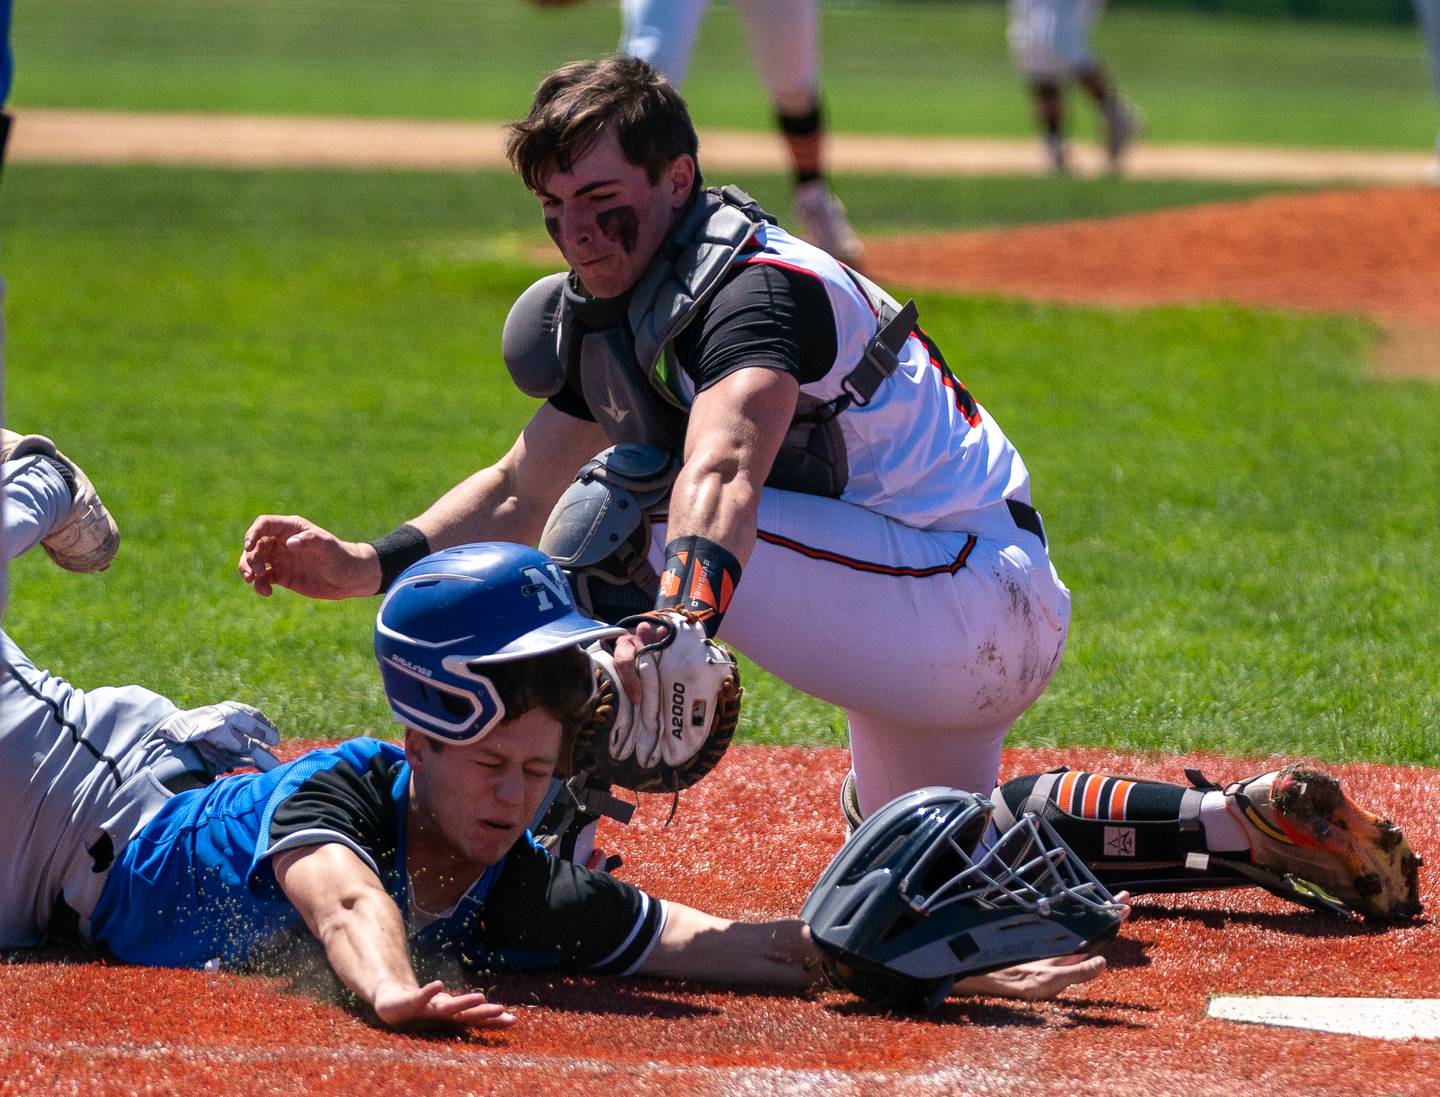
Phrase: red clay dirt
{"type": "Point", "coordinates": [747, 842]}
{"type": "Point", "coordinates": [1374, 251]}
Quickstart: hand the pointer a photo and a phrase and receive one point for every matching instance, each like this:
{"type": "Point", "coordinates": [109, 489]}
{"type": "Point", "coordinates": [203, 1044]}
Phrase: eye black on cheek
{"type": "Point", "coordinates": [620, 224]}
{"type": "Point", "coordinates": [552, 226]}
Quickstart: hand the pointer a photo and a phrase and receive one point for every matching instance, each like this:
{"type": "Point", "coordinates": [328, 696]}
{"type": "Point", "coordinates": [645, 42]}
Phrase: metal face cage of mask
{"type": "Point", "coordinates": [911, 902]}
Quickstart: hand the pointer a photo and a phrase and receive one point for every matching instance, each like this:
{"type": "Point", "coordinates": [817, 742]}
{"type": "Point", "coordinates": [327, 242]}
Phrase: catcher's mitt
{"type": "Point", "coordinates": [685, 720]}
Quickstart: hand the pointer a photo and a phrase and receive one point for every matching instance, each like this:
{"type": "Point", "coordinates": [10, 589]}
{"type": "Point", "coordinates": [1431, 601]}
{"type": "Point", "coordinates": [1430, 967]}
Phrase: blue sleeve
{"type": "Point", "coordinates": [195, 884]}
{"type": "Point", "coordinates": [342, 795]}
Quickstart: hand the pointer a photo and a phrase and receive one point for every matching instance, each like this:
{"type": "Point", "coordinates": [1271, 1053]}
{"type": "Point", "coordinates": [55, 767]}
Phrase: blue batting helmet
{"type": "Point", "coordinates": [453, 612]}
{"type": "Point", "coordinates": [911, 902]}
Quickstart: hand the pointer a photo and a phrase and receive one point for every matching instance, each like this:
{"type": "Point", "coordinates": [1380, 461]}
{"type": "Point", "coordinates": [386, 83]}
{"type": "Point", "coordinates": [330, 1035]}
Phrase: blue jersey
{"type": "Point", "coordinates": [7, 59]}
{"type": "Point", "coordinates": [197, 883]}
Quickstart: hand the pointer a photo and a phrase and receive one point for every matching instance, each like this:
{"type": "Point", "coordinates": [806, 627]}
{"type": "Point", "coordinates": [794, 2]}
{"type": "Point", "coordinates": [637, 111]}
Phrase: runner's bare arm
{"type": "Point", "coordinates": [350, 913]}
{"type": "Point", "coordinates": [695, 945]}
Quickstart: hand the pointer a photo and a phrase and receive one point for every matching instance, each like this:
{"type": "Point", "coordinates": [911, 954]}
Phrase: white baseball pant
{"type": "Point", "coordinates": [933, 642]}
{"type": "Point", "coordinates": [1050, 39]}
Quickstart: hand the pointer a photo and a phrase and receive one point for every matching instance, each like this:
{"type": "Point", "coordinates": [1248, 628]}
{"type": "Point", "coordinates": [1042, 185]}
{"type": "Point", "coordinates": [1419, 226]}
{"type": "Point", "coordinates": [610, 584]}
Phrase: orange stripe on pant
{"type": "Point", "coordinates": [1065, 790]}
{"type": "Point", "coordinates": [1090, 808]}
{"type": "Point", "coordinates": [1120, 798]}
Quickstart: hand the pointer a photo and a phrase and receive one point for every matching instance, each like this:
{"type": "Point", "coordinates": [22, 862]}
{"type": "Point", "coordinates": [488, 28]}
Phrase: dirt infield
{"type": "Point", "coordinates": [1374, 251]}
{"type": "Point", "coordinates": [237, 140]}
{"type": "Point", "coordinates": [748, 841]}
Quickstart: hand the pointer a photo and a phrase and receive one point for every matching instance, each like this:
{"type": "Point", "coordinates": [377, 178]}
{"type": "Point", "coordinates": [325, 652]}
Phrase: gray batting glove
{"type": "Point", "coordinates": [226, 735]}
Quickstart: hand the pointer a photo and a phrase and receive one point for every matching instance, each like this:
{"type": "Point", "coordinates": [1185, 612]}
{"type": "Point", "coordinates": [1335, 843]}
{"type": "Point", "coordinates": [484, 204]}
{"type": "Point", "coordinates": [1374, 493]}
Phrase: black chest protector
{"type": "Point", "coordinates": [618, 353]}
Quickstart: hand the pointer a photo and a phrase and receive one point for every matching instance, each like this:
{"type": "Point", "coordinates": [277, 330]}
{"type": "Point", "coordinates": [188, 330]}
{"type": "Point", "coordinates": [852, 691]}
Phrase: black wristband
{"type": "Point", "coordinates": [699, 576]}
{"type": "Point", "coordinates": [397, 551]}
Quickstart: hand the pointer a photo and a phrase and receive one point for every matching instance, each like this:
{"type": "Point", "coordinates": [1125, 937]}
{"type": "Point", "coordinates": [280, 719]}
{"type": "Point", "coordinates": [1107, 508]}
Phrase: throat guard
{"type": "Point", "coordinates": [911, 903]}
{"type": "Point", "coordinates": [687, 269]}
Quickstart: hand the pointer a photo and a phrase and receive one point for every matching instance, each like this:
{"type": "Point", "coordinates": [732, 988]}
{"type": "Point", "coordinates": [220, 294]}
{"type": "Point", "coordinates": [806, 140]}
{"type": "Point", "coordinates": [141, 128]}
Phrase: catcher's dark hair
{"type": "Point", "coordinates": [576, 103]}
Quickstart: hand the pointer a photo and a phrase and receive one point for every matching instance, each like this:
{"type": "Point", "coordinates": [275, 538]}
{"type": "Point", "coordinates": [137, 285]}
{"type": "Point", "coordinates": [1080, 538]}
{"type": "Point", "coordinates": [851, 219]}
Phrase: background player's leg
{"type": "Point", "coordinates": [1122, 124]}
{"type": "Point", "coordinates": [1049, 103]}
{"type": "Point", "coordinates": [1073, 30]}
{"type": "Point", "coordinates": [1033, 34]}
{"type": "Point", "coordinates": [662, 32]}
{"type": "Point", "coordinates": [784, 38]}
{"type": "Point", "coordinates": [1428, 12]}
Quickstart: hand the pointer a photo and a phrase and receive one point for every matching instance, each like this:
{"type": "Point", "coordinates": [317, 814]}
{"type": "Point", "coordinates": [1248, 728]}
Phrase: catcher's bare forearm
{"type": "Point", "coordinates": [482, 507]}
{"type": "Point", "coordinates": [775, 955]}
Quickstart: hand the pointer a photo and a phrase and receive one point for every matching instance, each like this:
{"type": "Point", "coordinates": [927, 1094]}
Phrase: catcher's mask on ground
{"type": "Point", "coordinates": [910, 903]}
{"type": "Point", "coordinates": [457, 610]}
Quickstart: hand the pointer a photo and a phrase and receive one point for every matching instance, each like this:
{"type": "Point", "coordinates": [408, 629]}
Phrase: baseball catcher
{"type": "Point", "coordinates": [783, 425]}
{"type": "Point", "coordinates": [1292, 831]}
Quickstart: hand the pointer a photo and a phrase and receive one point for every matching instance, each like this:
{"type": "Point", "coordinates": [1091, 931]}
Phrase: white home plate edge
{"type": "Point", "coordinates": [1381, 1018]}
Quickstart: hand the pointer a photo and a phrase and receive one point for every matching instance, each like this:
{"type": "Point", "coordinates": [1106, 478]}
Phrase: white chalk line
{"type": "Point", "coordinates": [1376, 1018]}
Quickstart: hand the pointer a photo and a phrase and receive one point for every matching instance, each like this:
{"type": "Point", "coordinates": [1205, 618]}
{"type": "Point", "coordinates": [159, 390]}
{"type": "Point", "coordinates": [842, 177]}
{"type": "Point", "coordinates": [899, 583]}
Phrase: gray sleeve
{"type": "Point", "coordinates": [531, 340]}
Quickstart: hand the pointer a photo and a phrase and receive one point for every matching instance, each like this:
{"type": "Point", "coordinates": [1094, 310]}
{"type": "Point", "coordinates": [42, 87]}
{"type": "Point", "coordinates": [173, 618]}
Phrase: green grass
{"type": "Point", "coordinates": [889, 66]}
{"type": "Point", "coordinates": [1245, 518]}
